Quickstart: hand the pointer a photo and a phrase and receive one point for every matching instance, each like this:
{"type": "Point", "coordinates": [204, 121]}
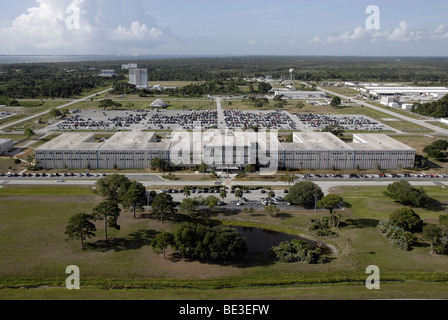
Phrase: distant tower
{"type": "Point", "coordinates": [291, 74]}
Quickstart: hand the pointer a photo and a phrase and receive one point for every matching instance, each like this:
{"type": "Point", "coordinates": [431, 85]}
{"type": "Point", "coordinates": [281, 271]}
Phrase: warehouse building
{"type": "Point", "coordinates": [231, 150]}
{"type": "Point", "coordinates": [379, 91]}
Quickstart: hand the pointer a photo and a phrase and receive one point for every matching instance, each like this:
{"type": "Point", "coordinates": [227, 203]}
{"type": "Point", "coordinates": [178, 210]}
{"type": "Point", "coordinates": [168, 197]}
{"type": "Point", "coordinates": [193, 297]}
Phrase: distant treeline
{"type": "Point", "coordinates": [63, 80]}
{"type": "Point", "coordinates": [43, 81]}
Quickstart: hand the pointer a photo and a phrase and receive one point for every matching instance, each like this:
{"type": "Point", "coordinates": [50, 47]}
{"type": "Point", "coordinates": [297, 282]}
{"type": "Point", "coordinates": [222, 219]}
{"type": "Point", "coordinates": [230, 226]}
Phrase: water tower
{"type": "Point", "coordinates": [291, 74]}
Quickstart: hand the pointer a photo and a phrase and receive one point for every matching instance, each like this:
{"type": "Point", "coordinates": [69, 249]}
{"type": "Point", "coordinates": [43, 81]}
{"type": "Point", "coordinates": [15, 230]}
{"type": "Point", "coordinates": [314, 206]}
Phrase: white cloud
{"type": "Point", "coordinates": [111, 26]}
{"type": "Point", "coordinates": [403, 33]}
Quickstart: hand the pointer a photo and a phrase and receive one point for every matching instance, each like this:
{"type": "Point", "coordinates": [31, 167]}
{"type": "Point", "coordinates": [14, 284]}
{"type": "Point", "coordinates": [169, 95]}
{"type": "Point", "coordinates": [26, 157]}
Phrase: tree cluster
{"type": "Point", "coordinates": [202, 242]}
{"type": "Point", "coordinates": [116, 190]}
{"type": "Point", "coordinates": [438, 109]}
{"type": "Point", "coordinates": [437, 149]}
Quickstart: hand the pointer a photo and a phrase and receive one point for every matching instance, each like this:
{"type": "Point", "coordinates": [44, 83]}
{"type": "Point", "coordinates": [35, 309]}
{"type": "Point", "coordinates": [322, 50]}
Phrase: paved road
{"type": "Point", "coordinates": [221, 118]}
{"type": "Point", "coordinates": [45, 112]}
{"type": "Point", "coordinates": [422, 123]}
{"type": "Point", "coordinates": [155, 181]}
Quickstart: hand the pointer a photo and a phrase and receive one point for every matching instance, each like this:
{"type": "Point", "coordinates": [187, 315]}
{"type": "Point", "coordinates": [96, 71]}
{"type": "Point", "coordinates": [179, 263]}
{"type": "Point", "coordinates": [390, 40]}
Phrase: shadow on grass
{"type": "Point", "coordinates": [359, 223]}
{"type": "Point", "coordinates": [135, 241]}
{"type": "Point", "coordinates": [242, 261]}
{"type": "Point", "coordinates": [283, 215]}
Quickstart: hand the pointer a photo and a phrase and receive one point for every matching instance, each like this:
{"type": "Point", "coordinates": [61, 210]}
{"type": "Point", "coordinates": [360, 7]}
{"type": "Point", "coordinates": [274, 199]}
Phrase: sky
{"type": "Point", "coordinates": [224, 27]}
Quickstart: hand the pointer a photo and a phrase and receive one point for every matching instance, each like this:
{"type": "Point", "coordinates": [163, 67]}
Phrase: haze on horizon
{"type": "Point", "coordinates": [230, 28]}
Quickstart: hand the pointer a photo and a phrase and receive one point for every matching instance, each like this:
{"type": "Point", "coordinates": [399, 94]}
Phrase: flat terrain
{"type": "Point", "coordinates": [34, 254]}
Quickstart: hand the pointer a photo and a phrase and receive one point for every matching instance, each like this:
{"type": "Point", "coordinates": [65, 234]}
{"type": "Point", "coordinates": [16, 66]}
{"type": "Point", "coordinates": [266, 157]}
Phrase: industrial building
{"type": "Point", "coordinates": [6, 145]}
{"type": "Point", "coordinates": [296, 95]}
{"type": "Point", "coordinates": [231, 150]}
{"type": "Point", "coordinates": [129, 66]}
{"type": "Point", "coordinates": [380, 91]}
{"type": "Point", "coordinates": [108, 73]}
{"type": "Point", "coordinates": [139, 78]}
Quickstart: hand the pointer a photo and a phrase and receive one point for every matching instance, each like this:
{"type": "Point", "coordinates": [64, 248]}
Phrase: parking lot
{"type": "Point", "coordinates": [348, 122]}
{"type": "Point", "coordinates": [265, 120]}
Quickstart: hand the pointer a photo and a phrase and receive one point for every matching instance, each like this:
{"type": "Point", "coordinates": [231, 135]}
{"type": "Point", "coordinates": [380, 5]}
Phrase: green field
{"type": "Point", "coordinates": [34, 254]}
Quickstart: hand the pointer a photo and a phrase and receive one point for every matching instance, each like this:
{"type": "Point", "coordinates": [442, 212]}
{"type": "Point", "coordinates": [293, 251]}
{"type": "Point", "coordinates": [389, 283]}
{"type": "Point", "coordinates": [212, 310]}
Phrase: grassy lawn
{"type": "Point", "coordinates": [438, 124]}
{"type": "Point", "coordinates": [6, 163]}
{"type": "Point", "coordinates": [34, 253]}
{"type": "Point", "coordinates": [139, 104]}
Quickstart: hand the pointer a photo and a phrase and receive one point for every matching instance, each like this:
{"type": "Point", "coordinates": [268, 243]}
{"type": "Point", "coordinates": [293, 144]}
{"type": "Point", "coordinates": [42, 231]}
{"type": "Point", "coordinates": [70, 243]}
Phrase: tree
{"type": "Point", "coordinates": [189, 205]}
{"type": "Point", "coordinates": [29, 159]}
{"type": "Point", "coordinates": [161, 242]}
{"type": "Point", "coordinates": [163, 205]}
{"type": "Point", "coordinates": [300, 105]}
{"type": "Point", "coordinates": [135, 197]}
{"type": "Point", "coordinates": [223, 194]}
{"type": "Point", "coordinates": [407, 219]}
{"type": "Point", "coordinates": [432, 233]}
{"type": "Point", "coordinates": [288, 178]}
{"type": "Point", "coordinates": [402, 192]}
{"type": "Point", "coordinates": [272, 210]}
{"type": "Point", "coordinates": [250, 168]}
{"type": "Point", "coordinates": [159, 164]}
{"type": "Point", "coordinates": [329, 202]}
{"type": "Point", "coordinates": [264, 87]}
{"type": "Point", "coordinates": [305, 194]}
{"type": "Point", "coordinates": [29, 133]}
{"type": "Point", "coordinates": [203, 167]}
{"type": "Point", "coordinates": [336, 130]}
{"type": "Point", "coordinates": [113, 187]}
{"type": "Point", "coordinates": [80, 228]}
{"type": "Point", "coordinates": [211, 202]}
{"type": "Point", "coordinates": [239, 194]}
{"type": "Point", "coordinates": [336, 102]}
{"type": "Point", "coordinates": [55, 113]}
{"type": "Point", "coordinates": [187, 191]}
{"type": "Point", "coordinates": [109, 212]}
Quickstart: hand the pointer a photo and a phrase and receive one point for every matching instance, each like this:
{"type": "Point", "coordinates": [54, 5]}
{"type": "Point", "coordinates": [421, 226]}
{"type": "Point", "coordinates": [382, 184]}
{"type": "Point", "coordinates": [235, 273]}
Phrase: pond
{"type": "Point", "coordinates": [262, 240]}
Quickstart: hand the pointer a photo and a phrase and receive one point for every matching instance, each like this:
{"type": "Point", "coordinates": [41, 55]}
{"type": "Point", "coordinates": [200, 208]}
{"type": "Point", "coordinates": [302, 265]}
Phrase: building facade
{"type": "Point", "coordinates": [139, 78]}
{"type": "Point", "coordinates": [229, 150]}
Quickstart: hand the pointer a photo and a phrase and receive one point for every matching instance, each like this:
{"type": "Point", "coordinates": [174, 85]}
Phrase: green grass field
{"type": "Point", "coordinates": [34, 254]}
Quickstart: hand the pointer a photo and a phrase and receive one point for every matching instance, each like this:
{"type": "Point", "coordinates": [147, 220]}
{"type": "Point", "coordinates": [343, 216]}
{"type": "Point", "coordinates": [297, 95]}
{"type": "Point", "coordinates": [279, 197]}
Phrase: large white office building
{"type": "Point", "coordinates": [231, 150]}
{"type": "Point", "coordinates": [139, 78]}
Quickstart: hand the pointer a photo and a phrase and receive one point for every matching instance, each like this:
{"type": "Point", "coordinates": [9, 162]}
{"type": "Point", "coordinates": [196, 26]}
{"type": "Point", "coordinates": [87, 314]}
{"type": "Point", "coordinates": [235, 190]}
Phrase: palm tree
{"type": "Point", "coordinates": [239, 194]}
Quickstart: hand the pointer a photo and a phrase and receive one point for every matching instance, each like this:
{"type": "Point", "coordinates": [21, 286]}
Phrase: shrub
{"type": "Point", "coordinates": [321, 227]}
{"type": "Point", "coordinates": [400, 238]}
{"type": "Point", "coordinates": [407, 219]}
{"type": "Point", "coordinates": [297, 251]}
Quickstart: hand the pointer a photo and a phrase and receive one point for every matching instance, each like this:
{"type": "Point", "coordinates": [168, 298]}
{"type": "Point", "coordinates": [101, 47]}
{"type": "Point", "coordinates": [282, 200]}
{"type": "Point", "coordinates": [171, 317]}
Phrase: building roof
{"type": "Point", "coordinates": [318, 141]}
{"type": "Point", "coordinates": [378, 142]}
{"type": "Point", "coordinates": [134, 141]}
{"type": "Point", "coordinates": [72, 141]}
